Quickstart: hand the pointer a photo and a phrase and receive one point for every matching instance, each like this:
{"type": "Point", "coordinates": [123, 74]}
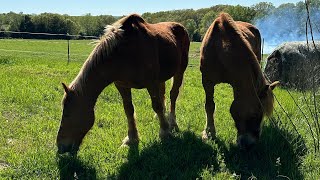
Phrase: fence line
{"type": "Point", "coordinates": [45, 41]}
{"type": "Point", "coordinates": [40, 53]}
{"type": "Point", "coordinates": [50, 34]}
{"type": "Point", "coordinates": [67, 37]}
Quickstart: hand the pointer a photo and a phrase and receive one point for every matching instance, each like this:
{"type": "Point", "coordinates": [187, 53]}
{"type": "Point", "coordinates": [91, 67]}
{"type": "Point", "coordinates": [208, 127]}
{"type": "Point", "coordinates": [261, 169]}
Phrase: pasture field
{"type": "Point", "coordinates": [31, 72]}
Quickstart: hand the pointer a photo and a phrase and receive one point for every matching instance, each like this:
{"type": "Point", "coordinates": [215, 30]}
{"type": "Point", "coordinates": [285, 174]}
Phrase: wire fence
{"type": "Point", "coordinates": [39, 35]}
{"type": "Point", "coordinates": [62, 36]}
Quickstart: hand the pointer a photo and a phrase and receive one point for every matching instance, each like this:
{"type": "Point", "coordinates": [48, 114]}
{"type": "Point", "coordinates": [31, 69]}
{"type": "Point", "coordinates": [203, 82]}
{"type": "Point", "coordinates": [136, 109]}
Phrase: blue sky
{"type": "Point", "coordinates": [115, 7]}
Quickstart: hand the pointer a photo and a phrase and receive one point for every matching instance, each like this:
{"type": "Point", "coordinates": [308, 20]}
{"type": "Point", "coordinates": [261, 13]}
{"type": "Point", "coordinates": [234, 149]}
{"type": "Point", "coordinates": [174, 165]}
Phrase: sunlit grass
{"type": "Point", "coordinates": [30, 111]}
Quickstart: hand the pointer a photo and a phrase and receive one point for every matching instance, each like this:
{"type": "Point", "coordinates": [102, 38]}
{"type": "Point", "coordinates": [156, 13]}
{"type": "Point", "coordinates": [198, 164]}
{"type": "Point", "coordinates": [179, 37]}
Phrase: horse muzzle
{"type": "Point", "coordinates": [246, 142]}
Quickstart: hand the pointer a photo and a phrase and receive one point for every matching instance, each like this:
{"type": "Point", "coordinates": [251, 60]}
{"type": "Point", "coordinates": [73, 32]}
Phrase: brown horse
{"type": "Point", "coordinates": [228, 55]}
{"type": "Point", "coordinates": [133, 54]}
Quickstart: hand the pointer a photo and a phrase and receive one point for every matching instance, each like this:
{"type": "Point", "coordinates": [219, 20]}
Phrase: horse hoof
{"type": "Point", "coordinates": [174, 128]}
{"type": "Point", "coordinates": [165, 134]}
{"type": "Point", "coordinates": [129, 141]}
{"type": "Point", "coordinates": [206, 135]}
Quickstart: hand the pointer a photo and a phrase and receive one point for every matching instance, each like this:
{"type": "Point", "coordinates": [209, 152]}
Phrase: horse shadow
{"type": "Point", "coordinates": [70, 167]}
{"type": "Point", "coordinates": [186, 157]}
{"type": "Point", "coordinates": [181, 157]}
{"type": "Point", "coordinates": [276, 156]}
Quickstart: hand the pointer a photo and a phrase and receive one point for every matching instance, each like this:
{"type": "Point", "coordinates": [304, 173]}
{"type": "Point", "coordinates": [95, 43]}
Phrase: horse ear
{"type": "Point", "coordinates": [263, 93]}
{"type": "Point", "coordinates": [266, 88]}
{"type": "Point", "coordinates": [274, 84]}
{"type": "Point", "coordinates": [65, 87]}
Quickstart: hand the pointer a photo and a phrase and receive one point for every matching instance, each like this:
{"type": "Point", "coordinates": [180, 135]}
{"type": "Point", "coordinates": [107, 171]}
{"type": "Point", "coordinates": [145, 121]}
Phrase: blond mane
{"type": "Point", "coordinates": [103, 48]}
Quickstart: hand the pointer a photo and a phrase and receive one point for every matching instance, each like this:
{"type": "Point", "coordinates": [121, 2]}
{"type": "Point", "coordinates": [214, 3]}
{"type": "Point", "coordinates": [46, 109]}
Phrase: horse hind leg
{"type": "Point", "coordinates": [157, 105]}
{"type": "Point", "coordinates": [177, 82]}
{"type": "Point", "coordinates": [162, 97]}
{"type": "Point", "coordinates": [133, 137]}
{"type": "Point", "coordinates": [209, 131]}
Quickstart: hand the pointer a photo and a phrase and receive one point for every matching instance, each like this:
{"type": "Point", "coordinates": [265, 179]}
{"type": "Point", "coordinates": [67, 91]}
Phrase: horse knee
{"type": "Point", "coordinates": [128, 107]}
{"type": "Point", "coordinates": [157, 106]}
{"type": "Point", "coordinates": [174, 94]}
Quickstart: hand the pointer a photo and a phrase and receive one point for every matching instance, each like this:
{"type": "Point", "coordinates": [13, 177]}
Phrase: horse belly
{"type": "Point", "coordinates": [127, 84]}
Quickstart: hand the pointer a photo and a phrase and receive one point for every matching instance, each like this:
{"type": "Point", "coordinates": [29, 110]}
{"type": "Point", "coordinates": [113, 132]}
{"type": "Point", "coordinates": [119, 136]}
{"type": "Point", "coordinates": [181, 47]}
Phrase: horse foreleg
{"type": "Point", "coordinates": [177, 81]}
{"type": "Point", "coordinates": [133, 136]}
{"type": "Point", "coordinates": [209, 131]}
{"type": "Point", "coordinates": [157, 105]}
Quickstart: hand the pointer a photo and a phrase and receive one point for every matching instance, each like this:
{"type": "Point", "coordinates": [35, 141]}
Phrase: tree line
{"type": "Point", "coordinates": [195, 21]}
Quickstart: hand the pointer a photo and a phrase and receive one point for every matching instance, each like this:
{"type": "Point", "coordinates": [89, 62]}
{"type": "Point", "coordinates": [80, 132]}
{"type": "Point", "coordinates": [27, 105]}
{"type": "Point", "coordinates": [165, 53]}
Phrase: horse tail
{"type": "Point", "coordinates": [182, 34]}
{"type": "Point", "coordinates": [185, 54]}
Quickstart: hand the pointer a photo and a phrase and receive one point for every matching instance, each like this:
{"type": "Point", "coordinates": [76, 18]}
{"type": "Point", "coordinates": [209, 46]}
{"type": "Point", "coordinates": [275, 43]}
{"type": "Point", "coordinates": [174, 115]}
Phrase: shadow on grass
{"type": "Point", "coordinates": [73, 168]}
{"type": "Point", "coordinates": [272, 158]}
{"type": "Point", "coordinates": [186, 156]}
{"type": "Point", "coordinates": [182, 157]}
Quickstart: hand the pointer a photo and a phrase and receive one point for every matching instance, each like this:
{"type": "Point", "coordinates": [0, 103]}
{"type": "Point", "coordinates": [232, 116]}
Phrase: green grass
{"type": "Point", "coordinates": [30, 112]}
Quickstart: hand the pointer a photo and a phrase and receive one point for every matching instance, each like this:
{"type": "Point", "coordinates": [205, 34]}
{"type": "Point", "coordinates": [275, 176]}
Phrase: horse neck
{"type": "Point", "coordinates": [89, 83]}
{"type": "Point", "coordinates": [250, 86]}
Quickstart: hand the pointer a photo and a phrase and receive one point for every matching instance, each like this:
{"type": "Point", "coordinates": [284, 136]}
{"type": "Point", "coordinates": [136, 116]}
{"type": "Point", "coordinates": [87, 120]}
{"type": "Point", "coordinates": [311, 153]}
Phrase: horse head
{"type": "Point", "coordinates": [248, 115]}
{"type": "Point", "coordinates": [77, 120]}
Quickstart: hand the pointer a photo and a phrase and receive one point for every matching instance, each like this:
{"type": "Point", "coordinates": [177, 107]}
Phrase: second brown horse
{"type": "Point", "coordinates": [230, 53]}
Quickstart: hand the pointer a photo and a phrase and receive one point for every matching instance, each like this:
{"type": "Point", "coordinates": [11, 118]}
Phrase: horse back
{"type": "Point", "coordinates": [173, 47]}
{"type": "Point", "coordinates": [226, 50]}
{"type": "Point", "coordinates": [151, 51]}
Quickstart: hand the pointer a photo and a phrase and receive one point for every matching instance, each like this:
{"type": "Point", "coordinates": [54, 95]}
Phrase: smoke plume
{"type": "Point", "coordinates": [287, 24]}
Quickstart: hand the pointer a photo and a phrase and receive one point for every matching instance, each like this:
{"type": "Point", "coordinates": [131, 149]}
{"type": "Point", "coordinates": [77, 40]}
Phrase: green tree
{"type": "Point", "coordinates": [72, 27]}
{"type": "Point", "coordinates": [26, 24]}
{"type": "Point", "coordinates": [206, 21]}
{"type": "Point", "coordinates": [241, 13]}
{"type": "Point", "coordinates": [88, 24]}
{"type": "Point", "coordinates": [102, 21]}
{"type": "Point", "coordinates": [14, 20]}
{"type": "Point", "coordinates": [263, 9]}
{"type": "Point", "coordinates": [50, 23]}
{"type": "Point", "coordinates": [191, 27]}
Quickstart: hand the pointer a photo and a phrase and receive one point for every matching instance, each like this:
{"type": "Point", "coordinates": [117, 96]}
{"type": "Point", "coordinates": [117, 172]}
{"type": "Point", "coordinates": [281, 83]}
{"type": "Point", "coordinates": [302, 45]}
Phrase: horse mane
{"type": "Point", "coordinates": [112, 37]}
{"type": "Point", "coordinates": [258, 78]}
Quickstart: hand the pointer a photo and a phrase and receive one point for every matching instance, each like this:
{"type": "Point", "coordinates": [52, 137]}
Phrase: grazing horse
{"type": "Point", "coordinates": [131, 54]}
{"type": "Point", "coordinates": [228, 56]}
